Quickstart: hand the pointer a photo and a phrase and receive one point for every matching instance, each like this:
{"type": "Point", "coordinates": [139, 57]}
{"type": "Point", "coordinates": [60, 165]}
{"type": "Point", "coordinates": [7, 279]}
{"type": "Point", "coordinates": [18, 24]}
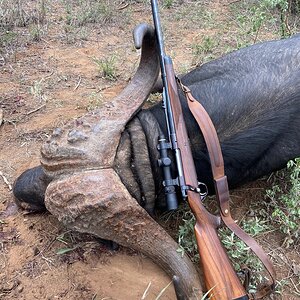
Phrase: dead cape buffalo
{"type": "Point", "coordinates": [94, 167]}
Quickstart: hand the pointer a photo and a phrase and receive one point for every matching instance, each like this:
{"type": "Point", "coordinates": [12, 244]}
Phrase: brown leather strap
{"type": "Point", "coordinates": [221, 186]}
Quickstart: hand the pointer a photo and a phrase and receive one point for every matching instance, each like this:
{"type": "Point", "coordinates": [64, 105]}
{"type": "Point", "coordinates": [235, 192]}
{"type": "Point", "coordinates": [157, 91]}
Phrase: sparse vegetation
{"type": "Point", "coordinates": [20, 22]}
{"type": "Point", "coordinates": [205, 47]}
{"type": "Point", "coordinates": [37, 90]}
{"type": "Point", "coordinates": [107, 67]}
{"type": "Point", "coordinates": [69, 243]}
{"type": "Point", "coordinates": [205, 50]}
{"type": "Point", "coordinates": [283, 205]}
{"type": "Point", "coordinates": [36, 32]}
{"type": "Point", "coordinates": [21, 13]}
{"type": "Point", "coordinates": [7, 38]}
{"type": "Point", "coordinates": [80, 12]}
{"type": "Point", "coordinates": [12, 13]}
{"type": "Point", "coordinates": [186, 236]}
{"type": "Point", "coordinates": [168, 3]}
{"type": "Point", "coordinates": [95, 101]}
{"type": "Point", "coordinates": [261, 14]}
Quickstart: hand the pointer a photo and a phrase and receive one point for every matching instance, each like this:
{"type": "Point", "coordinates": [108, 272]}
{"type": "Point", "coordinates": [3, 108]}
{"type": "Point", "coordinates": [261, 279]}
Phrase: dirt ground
{"type": "Point", "coordinates": [49, 75]}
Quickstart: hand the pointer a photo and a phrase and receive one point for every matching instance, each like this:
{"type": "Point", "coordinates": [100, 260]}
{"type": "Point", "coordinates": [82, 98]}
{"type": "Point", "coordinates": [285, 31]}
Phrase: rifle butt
{"type": "Point", "coordinates": [219, 275]}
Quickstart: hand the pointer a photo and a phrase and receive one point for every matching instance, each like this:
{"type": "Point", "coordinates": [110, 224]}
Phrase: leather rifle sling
{"type": "Point", "coordinates": [221, 186]}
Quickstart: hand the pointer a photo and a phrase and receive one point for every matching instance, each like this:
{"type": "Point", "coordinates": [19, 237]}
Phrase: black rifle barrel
{"type": "Point", "coordinates": [164, 59]}
{"type": "Point", "coordinates": [159, 36]}
{"type": "Point", "coordinates": [162, 56]}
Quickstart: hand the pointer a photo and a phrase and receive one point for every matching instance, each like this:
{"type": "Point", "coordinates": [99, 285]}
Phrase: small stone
{"type": "Point", "coordinates": [1, 116]}
{"type": "Point", "coordinates": [20, 289]}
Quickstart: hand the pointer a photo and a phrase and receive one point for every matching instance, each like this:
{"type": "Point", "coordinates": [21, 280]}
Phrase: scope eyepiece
{"type": "Point", "coordinates": [171, 197]}
{"type": "Point", "coordinates": [168, 182]}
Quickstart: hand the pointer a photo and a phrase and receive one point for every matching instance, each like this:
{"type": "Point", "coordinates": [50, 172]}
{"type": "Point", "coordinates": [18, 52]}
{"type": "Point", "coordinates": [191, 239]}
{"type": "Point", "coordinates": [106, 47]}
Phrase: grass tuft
{"type": "Point", "coordinates": [82, 12]}
{"type": "Point", "coordinates": [107, 67]}
{"type": "Point", "coordinates": [283, 207]}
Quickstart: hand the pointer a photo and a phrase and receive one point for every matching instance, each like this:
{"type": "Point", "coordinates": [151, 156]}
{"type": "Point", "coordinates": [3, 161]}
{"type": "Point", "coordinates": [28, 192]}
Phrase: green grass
{"type": "Point", "coordinates": [283, 206]}
{"type": "Point", "coordinates": [205, 50]}
{"type": "Point", "coordinates": [37, 90]}
{"type": "Point", "coordinates": [36, 32]}
{"type": "Point", "coordinates": [168, 3]}
{"type": "Point", "coordinates": [107, 67]}
{"type": "Point", "coordinates": [280, 212]}
{"type": "Point", "coordinates": [239, 253]}
{"type": "Point", "coordinates": [79, 13]}
{"type": "Point", "coordinates": [274, 16]}
{"type": "Point", "coordinates": [7, 37]}
{"type": "Point", "coordinates": [196, 14]}
{"type": "Point", "coordinates": [21, 13]}
{"type": "Point", "coordinates": [95, 101]}
{"type": "Point", "coordinates": [207, 46]}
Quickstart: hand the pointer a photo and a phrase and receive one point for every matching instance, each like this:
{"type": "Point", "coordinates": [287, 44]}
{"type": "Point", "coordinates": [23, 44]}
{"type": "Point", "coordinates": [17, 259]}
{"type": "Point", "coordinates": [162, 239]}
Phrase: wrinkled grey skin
{"type": "Point", "coordinates": [253, 98]}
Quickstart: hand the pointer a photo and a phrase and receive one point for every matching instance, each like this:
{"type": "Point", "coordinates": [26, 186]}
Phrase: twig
{"type": "Point", "coordinates": [287, 26]}
{"type": "Point", "coordinates": [124, 6]}
{"type": "Point", "coordinates": [163, 290]}
{"type": "Point", "coordinates": [35, 110]}
{"type": "Point", "coordinates": [6, 181]}
{"type": "Point", "coordinates": [103, 89]}
{"type": "Point", "coordinates": [256, 35]}
{"type": "Point", "coordinates": [249, 189]}
{"type": "Point", "coordinates": [233, 2]}
{"type": "Point", "coordinates": [12, 122]}
{"type": "Point", "coordinates": [52, 72]}
{"type": "Point", "coordinates": [295, 286]}
{"type": "Point", "coordinates": [47, 246]}
{"type": "Point", "coordinates": [47, 259]}
{"type": "Point", "coordinates": [146, 291]}
{"type": "Point", "coordinates": [4, 262]}
{"type": "Point", "coordinates": [78, 84]}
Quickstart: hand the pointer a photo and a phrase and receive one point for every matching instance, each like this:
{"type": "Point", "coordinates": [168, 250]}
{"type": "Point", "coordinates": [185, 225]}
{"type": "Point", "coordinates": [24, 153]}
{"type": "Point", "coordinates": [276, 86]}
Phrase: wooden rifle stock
{"type": "Point", "coordinates": [219, 275]}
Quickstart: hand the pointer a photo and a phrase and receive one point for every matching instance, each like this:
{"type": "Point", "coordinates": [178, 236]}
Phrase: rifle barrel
{"type": "Point", "coordinates": [159, 35]}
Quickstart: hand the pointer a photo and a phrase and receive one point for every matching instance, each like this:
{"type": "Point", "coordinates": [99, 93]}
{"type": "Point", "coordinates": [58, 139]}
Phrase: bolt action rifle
{"type": "Point", "coordinates": [220, 278]}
